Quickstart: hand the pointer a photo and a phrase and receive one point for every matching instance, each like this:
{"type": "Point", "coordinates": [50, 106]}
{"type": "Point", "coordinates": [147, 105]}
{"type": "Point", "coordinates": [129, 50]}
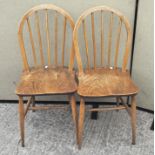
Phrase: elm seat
{"type": "Point", "coordinates": [51, 81]}
{"type": "Point", "coordinates": [106, 82]}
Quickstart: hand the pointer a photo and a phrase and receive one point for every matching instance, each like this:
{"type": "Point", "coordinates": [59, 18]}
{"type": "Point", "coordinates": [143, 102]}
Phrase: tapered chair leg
{"type": "Point", "coordinates": [21, 119]}
{"type": "Point", "coordinates": [81, 122]}
{"type": "Point", "coordinates": [133, 119]}
{"type": "Point", "coordinates": [74, 115]}
{"type": "Point", "coordinates": [33, 102]}
{"type": "Point", "coordinates": [117, 101]}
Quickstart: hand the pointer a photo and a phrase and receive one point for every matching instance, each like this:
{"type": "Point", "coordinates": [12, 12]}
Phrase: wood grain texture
{"type": "Point", "coordinates": [21, 119]}
{"type": "Point", "coordinates": [28, 105]}
{"type": "Point", "coordinates": [56, 39]}
{"type": "Point", "coordinates": [33, 102]}
{"type": "Point", "coordinates": [117, 43]}
{"type": "Point", "coordinates": [48, 38]}
{"type": "Point", "coordinates": [86, 43]}
{"type": "Point", "coordinates": [52, 81]}
{"type": "Point", "coordinates": [81, 122]}
{"type": "Point", "coordinates": [64, 40]}
{"type": "Point", "coordinates": [102, 37]}
{"type": "Point", "coordinates": [106, 82]}
{"type": "Point", "coordinates": [93, 38]}
{"type": "Point", "coordinates": [39, 38]}
{"type": "Point", "coordinates": [48, 107]}
{"type": "Point", "coordinates": [74, 114]}
{"type": "Point", "coordinates": [107, 108]}
{"type": "Point", "coordinates": [133, 119]}
{"type": "Point", "coordinates": [32, 42]}
{"type": "Point", "coordinates": [110, 39]}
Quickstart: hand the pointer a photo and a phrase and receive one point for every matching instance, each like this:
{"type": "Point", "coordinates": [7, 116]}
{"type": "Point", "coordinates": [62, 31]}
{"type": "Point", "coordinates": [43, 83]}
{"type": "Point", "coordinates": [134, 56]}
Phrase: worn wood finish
{"type": "Point", "coordinates": [30, 84]}
{"type": "Point", "coordinates": [64, 40]}
{"type": "Point", "coordinates": [117, 101]}
{"type": "Point", "coordinates": [102, 38]}
{"type": "Point", "coordinates": [117, 43]}
{"type": "Point", "coordinates": [81, 122]}
{"type": "Point", "coordinates": [33, 102]}
{"type": "Point", "coordinates": [21, 119]}
{"type": "Point", "coordinates": [91, 12]}
{"type": "Point", "coordinates": [39, 38]}
{"type": "Point", "coordinates": [56, 38]}
{"type": "Point", "coordinates": [48, 107]}
{"type": "Point", "coordinates": [106, 80]}
{"type": "Point", "coordinates": [93, 38]}
{"type": "Point", "coordinates": [125, 104]}
{"type": "Point", "coordinates": [30, 100]}
{"type": "Point", "coordinates": [74, 114]}
{"type": "Point", "coordinates": [109, 39]}
{"type": "Point", "coordinates": [45, 10]}
{"type": "Point", "coordinates": [42, 79]}
{"type": "Point", "coordinates": [86, 43]}
{"type": "Point", "coordinates": [107, 109]}
{"type": "Point", "coordinates": [48, 39]}
{"type": "Point", "coordinates": [32, 43]}
{"type": "Point", "coordinates": [53, 81]}
{"type": "Point", "coordinates": [133, 119]}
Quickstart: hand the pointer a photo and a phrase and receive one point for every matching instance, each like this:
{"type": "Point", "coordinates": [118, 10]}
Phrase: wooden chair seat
{"type": "Point", "coordinates": [106, 82]}
{"type": "Point", "coordinates": [46, 81]}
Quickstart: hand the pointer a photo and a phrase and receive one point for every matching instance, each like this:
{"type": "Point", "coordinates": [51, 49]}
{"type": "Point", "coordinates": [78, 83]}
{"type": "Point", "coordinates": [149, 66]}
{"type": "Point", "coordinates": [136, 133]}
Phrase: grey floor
{"type": "Point", "coordinates": [52, 133]}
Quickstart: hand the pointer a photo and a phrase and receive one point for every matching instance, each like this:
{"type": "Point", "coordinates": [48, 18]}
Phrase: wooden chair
{"type": "Point", "coordinates": [98, 34]}
{"type": "Point", "coordinates": [48, 74]}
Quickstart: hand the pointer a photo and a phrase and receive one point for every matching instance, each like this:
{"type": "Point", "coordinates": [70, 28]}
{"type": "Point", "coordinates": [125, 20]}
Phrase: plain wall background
{"type": "Point", "coordinates": [10, 59]}
{"type": "Point", "coordinates": [143, 55]}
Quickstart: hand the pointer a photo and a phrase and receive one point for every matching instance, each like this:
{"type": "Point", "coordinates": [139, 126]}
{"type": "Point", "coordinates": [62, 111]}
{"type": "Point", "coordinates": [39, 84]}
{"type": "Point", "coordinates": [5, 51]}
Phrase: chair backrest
{"type": "Point", "coordinates": [101, 30]}
{"type": "Point", "coordinates": [44, 34]}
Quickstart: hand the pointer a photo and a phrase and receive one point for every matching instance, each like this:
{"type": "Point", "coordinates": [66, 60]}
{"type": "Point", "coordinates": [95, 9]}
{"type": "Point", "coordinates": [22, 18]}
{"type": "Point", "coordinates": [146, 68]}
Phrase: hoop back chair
{"type": "Point", "coordinates": [44, 76]}
{"type": "Point", "coordinates": [106, 35]}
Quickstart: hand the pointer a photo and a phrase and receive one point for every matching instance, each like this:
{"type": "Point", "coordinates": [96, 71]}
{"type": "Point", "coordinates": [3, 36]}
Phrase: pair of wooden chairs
{"type": "Point", "coordinates": [47, 30]}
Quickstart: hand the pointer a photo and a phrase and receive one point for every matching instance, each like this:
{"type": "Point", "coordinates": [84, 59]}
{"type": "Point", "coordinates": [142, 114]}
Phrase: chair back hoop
{"type": "Point", "coordinates": [26, 20]}
{"type": "Point", "coordinates": [82, 22]}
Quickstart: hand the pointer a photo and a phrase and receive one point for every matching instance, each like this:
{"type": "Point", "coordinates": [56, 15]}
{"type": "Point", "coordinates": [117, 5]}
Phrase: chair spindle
{"type": "Point", "coordinates": [32, 42]}
{"type": "Point", "coordinates": [39, 38]}
{"type": "Point", "coordinates": [117, 42]}
{"type": "Point", "coordinates": [110, 39]}
{"type": "Point", "coordinates": [86, 43]}
{"type": "Point", "coordinates": [102, 38]}
{"type": "Point", "coordinates": [93, 38]}
{"type": "Point", "coordinates": [56, 39]}
{"type": "Point", "coordinates": [64, 40]}
{"type": "Point", "coordinates": [48, 39]}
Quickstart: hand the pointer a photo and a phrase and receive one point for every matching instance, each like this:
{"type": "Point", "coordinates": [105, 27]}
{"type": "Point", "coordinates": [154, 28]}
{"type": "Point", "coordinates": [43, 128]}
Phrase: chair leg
{"type": "Point", "coordinates": [117, 101]}
{"type": "Point", "coordinates": [133, 119]}
{"type": "Point", "coordinates": [21, 119]}
{"type": "Point", "coordinates": [74, 114]}
{"type": "Point", "coordinates": [81, 122]}
{"type": "Point", "coordinates": [94, 114]}
{"type": "Point", "coordinates": [33, 102]}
